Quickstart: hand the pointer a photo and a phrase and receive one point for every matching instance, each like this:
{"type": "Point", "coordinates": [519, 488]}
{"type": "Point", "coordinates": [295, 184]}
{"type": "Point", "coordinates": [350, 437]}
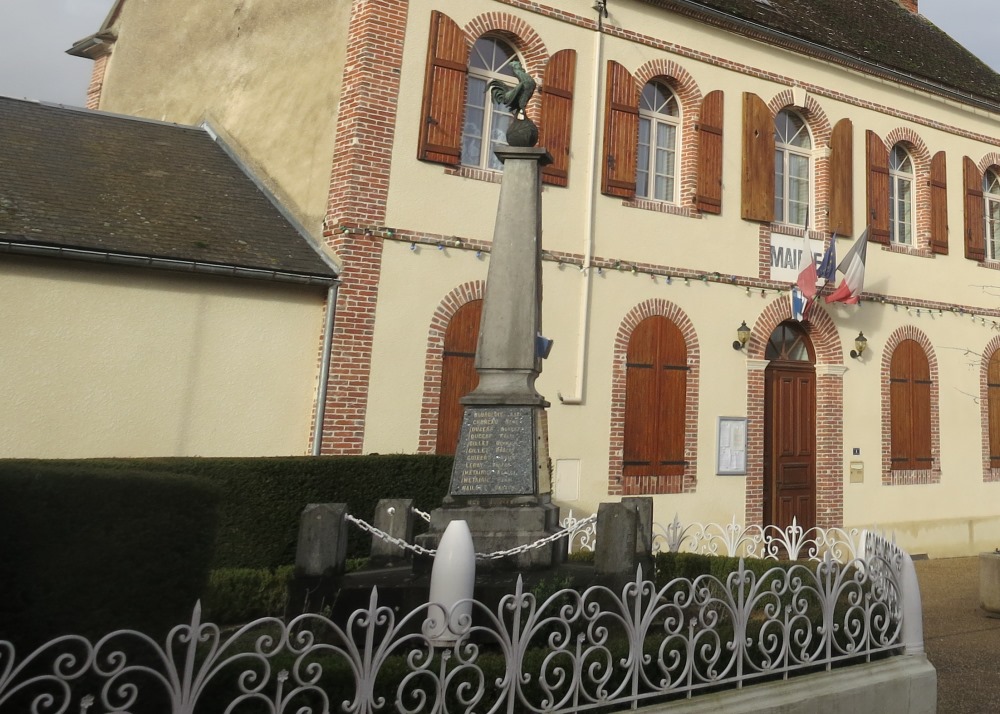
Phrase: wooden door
{"type": "Point", "coordinates": [458, 373]}
{"type": "Point", "coordinates": [790, 431]}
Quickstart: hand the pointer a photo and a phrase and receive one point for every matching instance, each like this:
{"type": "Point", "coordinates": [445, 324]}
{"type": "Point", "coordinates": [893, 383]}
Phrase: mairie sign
{"type": "Point", "coordinates": [786, 254]}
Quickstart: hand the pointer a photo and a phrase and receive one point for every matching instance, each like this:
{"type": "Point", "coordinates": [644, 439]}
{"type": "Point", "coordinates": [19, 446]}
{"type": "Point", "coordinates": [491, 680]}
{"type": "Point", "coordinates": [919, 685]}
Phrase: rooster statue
{"type": "Point", "coordinates": [516, 97]}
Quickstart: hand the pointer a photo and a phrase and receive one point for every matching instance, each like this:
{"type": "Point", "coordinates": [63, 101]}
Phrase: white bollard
{"type": "Point", "coordinates": [453, 578]}
{"type": "Point", "coordinates": [913, 613]}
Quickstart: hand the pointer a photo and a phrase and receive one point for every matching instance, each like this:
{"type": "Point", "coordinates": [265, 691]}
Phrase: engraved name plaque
{"type": "Point", "coordinates": [496, 452]}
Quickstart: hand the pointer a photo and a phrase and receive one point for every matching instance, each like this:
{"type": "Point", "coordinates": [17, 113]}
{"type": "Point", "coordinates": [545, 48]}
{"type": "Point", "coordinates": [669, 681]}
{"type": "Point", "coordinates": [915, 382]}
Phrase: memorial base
{"type": "Point", "coordinates": [500, 527]}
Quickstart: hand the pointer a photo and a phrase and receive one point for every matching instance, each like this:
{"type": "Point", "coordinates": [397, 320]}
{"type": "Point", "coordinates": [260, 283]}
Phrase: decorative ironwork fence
{"type": "Point", "coordinates": [573, 651]}
{"type": "Point", "coordinates": [735, 540]}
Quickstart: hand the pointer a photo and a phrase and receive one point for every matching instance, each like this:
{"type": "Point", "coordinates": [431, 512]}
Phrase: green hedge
{"type": "Point", "coordinates": [86, 550]}
{"type": "Point", "coordinates": [262, 498]}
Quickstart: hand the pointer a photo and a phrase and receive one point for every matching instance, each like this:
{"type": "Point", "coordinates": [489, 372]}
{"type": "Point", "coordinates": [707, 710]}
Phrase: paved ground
{"type": "Point", "coordinates": [962, 643]}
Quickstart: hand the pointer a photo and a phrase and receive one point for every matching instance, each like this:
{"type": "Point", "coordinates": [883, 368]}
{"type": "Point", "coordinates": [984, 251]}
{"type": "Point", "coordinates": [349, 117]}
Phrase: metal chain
{"type": "Point", "coordinates": [495, 555]}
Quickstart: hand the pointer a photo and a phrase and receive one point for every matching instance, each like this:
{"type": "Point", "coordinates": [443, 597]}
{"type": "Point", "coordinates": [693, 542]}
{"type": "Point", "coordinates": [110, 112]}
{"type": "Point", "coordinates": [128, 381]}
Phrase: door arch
{"type": "Point", "coordinates": [790, 428]}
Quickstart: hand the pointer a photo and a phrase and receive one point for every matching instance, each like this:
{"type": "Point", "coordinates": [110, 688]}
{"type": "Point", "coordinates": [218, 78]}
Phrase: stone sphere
{"type": "Point", "coordinates": [522, 132]}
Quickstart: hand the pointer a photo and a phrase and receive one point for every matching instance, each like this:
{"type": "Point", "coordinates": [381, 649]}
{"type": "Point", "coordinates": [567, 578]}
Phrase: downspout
{"type": "Point", "coordinates": [324, 369]}
{"type": "Point", "coordinates": [588, 250]}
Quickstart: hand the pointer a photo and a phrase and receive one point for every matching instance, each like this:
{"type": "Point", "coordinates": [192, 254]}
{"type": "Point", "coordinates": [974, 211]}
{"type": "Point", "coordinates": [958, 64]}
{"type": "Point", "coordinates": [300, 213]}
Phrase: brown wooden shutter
{"type": "Point", "coordinates": [557, 115]}
{"type": "Point", "coordinates": [709, 194]}
{"type": "Point", "coordinates": [993, 401]}
{"type": "Point", "coordinates": [910, 407]}
{"type": "Point", "coordinates": [975, 234]}
{"type": "Point", "coordinates": [878, 188]}
{"type": "Point", "coordinates": [458, 373]}
{"type": "Point", "coordinates": [655, 408]}
{"type": "Point", "coordinates": [939, 204]}
{"type": "Point", "coordinates": [758, 159]}
{"type": "Point", "coordinates": [842, 178]}
{"type": "Point", "coordinates": [621, 132]}
{"type": "Point", "coordinates": [444, 92]}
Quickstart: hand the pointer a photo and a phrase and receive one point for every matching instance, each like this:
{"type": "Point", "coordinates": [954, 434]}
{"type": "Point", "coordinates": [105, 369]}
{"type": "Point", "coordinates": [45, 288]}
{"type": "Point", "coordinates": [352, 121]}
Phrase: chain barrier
{"type": "Point", "coordinates": [495, 555]}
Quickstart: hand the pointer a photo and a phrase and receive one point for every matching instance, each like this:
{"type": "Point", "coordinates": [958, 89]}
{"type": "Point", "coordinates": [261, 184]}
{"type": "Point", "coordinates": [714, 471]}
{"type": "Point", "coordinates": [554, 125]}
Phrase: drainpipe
{"type": "Point", "coordinates": [324, 369]}
{"type": "Point", "coordinates": [588, 249]}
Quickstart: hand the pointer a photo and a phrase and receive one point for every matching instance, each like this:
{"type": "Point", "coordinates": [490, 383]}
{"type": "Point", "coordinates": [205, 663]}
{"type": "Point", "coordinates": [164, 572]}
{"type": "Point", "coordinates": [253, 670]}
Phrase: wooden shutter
{"type": "Point", "coordinates": [621, 132]}
{"type": "Point", "coordinates": [655, 408]}
{"type": "Point", "coordinates": [709, 194]}
{"type": "Point", "coordinates": [939, 204]}
{"type": "Point", "coordinates": [444, 92]}
{"type": "Point", "coordinates": [458, 373]}
{"type": "Point", "coordinates": [975, 234]}
{"type": "Point", "coordinates": [842, 178]}
{"type": "Point", "coordinates": [557, 115]}
{"type": "Point", "coordinates": [878, 188]}
{"type": "Point", "coordinates": [758, 159]}
{"type": "Point", "coordinates": [993, 401]}
{"type": "Point", "coordinates": [910, 408]}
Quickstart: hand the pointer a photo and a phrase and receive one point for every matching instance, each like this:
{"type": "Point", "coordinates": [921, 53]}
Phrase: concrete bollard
{"type": "Point", "coordinates": [644, 527]}
{"type": "Point", "coordinates": [393, 516]}
{"type": "Point", "coordinates": [614, 554]}
{"type": "Point", "coordinates": [913, 612]}
{"type": "Point", "coordinates": [322, 544]}
{"type": "Point", "coordinates": [453, 580]}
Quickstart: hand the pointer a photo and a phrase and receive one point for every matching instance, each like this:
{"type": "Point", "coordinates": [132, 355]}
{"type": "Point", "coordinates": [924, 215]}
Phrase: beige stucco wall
{"type": "Point", "coordinates": [266, 74]}
{"type": "Point", "coordinates": [108, 361]}
{"type": "Point", "coordinates": [959, 515]}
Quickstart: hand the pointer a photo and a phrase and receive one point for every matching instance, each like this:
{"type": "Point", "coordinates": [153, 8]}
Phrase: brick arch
{"type": "Point", "coordinates": [921, 182]}
{"type": "Point", "coordinates": [651, 308]}
{"type": "Point", "coordinates": [890, 478]}
{"type": "Point", "coordinates": [989, 473]}
{"type": "Point", "coordinates": [433, 360]}
{"type": "Point", "coordinates": [689, 97]}
{"type": "Point", "coordinates": [823, 335]}
{"type": "Point", "coordinates": [821, 131]}
{"type": "Point", "coordinates": [521, 35]}
{"type": "Point", "coordinates": [990, 161]}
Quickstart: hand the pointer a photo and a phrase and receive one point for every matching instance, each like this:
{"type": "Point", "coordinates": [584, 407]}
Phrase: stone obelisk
{"type": "Point", "coordinates": [500, 483]}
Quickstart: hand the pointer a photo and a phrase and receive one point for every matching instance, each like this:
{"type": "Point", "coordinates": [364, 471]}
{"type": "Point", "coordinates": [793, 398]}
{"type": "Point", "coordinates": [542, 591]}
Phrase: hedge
{"type": "Point", "coordinates": [262, 498]}
{"type": "Point", "coordinates": [86, 551]}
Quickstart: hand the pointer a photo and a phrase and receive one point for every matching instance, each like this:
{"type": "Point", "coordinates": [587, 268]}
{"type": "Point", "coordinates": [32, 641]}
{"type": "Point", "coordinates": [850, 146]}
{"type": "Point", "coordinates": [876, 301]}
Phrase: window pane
{"type": "Point", "coordinates": [642, 172]}
{"type": "Point", "coordinates": [779, 186]}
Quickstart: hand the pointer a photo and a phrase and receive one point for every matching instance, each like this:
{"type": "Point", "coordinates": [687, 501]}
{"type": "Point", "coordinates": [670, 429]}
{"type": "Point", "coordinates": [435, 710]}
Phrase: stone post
{"type": "Point", "coordinates": [394, 517]}
{"type": "Point", "coordinates": [614, 552]}
{"type": "Point", "coordinates": [322, 545]}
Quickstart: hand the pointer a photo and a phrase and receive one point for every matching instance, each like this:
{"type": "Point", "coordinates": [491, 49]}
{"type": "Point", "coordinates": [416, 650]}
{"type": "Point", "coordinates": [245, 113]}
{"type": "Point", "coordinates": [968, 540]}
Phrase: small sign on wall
{"type": "Point", "coordinates": [731, 459]}
{"type": "Point", "coordinates": [786, 254]}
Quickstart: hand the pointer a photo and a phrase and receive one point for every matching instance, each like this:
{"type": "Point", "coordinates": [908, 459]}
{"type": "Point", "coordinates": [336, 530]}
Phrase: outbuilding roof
{"type": "Point", "coordinates": [879, 33]}
{"type": "Point", "coordinates": [81, 182]}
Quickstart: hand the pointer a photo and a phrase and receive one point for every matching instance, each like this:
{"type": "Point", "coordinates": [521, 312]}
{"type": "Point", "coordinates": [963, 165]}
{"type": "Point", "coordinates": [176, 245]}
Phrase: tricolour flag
{"type": "Point", "coordinates": [807, 270]}
{"type": "Point", "coordinates": [853, 268]}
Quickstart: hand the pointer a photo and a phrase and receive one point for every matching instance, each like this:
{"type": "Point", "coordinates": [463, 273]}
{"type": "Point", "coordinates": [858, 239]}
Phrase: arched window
{"type": "Point", "coordinates": [659, 118]}
{"type": "Point", "coordinates": [655, 392]}
{"type": "Point", "coordinates": [910, 408]}
{"type": "Point", "coordinates": [993, 400]}
{"type": "Point", "coordinates": [458, 373]}
{"type": "Point", "coordinates": [900, 196]}
{"type": "Point", "coordinates": [792, 167]}
{"type": "Point", "coordinates": [485, 125]}
{"type": "Point", "coordinates": [991, 213]}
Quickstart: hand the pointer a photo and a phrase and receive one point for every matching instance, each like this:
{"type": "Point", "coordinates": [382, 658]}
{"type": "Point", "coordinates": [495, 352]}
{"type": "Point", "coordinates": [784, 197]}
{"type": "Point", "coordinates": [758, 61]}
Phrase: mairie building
{"type": "Point", "coordinates": [702, 152]}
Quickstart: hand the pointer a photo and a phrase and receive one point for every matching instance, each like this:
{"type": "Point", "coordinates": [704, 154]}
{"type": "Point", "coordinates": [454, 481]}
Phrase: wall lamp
{"type": "Point", "coordinates": [742, 335]}
{"type": "Point", "coordinates": [860, 345]}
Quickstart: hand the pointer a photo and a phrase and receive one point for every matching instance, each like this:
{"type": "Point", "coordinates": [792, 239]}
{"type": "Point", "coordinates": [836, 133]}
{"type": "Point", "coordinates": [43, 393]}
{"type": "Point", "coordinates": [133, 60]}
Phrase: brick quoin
{"type": "Point", "coordinates": [359, 188]}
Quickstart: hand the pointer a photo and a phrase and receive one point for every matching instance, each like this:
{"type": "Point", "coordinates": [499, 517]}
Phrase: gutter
{"type": "Point", "coordinates": [813, 49]}
{"type": "Point", "coordinates": [324, 369]}
{"type": "Point", "coordinates": [176, 265]}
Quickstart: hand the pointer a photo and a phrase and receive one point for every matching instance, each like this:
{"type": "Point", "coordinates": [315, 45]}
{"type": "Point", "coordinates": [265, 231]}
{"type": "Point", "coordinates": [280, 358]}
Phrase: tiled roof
{"type": "Point", "coordinates": [77, 179]}
{"type": "Point", "coordinates": [880, 32]}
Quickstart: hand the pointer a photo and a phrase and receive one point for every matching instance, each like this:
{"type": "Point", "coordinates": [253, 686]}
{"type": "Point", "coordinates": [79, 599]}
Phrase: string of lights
{"type": "Point", "coordinates": [668, 276]}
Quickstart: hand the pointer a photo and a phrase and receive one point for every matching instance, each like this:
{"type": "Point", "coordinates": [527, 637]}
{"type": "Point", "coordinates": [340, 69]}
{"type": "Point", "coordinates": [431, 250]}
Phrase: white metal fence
{"type": "Point", "coordinates": [572, 651]}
